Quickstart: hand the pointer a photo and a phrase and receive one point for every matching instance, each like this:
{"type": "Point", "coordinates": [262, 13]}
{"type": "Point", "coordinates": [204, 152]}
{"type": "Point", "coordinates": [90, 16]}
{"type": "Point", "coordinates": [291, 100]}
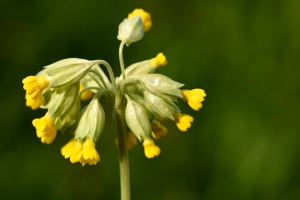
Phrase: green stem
{"type": "Point", "coordinates": [123, 154]}
{"type": "Point", "coordinates": [121, 59]}
{"type": "Point", "coordinates": [111, 73]}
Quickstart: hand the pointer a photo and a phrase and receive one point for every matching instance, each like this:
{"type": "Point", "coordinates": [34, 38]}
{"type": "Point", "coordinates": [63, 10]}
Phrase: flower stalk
{"type": "Point", "coordinates": [123, 153]}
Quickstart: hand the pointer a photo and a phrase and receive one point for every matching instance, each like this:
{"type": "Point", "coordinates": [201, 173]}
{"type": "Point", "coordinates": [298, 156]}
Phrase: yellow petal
{"type": "Point", "coordinates": [150, 149]}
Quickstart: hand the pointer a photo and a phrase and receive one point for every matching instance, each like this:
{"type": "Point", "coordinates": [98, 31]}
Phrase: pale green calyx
{"type": "Point", "coordinates": [67, 72]}
{"type": "Point", "coordinates": [137, 119]}
{"type": "Point", "coordinates": [59, 102]}
{"type": "Point", "coordinates": [131, 30]}
{"type": "Point", "coordinates": [91, 121]}
{"type": "Point", "coordinates": [162, 106]}
{"type": "Point", "coordinates": [161, 85]}
{"type": "Point", "coordinates": [64, 123]}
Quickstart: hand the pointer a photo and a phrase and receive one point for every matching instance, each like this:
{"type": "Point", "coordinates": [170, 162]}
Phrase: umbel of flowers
{"type": "Point", "coordinates": [142, 97]}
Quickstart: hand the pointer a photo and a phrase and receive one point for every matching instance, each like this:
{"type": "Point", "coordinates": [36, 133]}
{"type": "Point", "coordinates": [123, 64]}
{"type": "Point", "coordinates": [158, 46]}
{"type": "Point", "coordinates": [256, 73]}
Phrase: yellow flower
{"type": "Point", "coordinates": [45, 128]}
{"type": "Point", "coordinates": [183, 121]}
{"type": "Point", "coordinates": [158, 130]}
{"type": "Point", "coordinates": [34, 87]}
{"type": "Point", "coordinates": [71, 150]}
{"type": "Point", "coordinates": [194, 97]}
{"type": "Point", "coordinates": [88, 153]}
{"type": "Point", "coordinates": [131, 140]}
{"type": "Point", "coordinates": [159, 61]}
{"type": "Point", "coordinates": [150, 149]}
{"type": "Point", "coordinates": [86, 95]}
{"type": "Point", "coordinates": [145, 16]}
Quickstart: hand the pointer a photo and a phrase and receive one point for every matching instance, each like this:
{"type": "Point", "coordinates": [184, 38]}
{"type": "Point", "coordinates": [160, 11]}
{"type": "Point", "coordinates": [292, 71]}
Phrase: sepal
{"type": "Point", "coordinates": [131, 30]}
{"type": "Point", "coordinates": [137, 119]}
{"type": "Point", "coordinates": [158, 83]}
{"type": "Point", "coordinates": [67, 71]}
{"type": "Point", "coordinates": [91, 121]}
{"type": "Point", "coordinates": [162, 106]}
{"type": "Point", "coordinates": [60, 101]}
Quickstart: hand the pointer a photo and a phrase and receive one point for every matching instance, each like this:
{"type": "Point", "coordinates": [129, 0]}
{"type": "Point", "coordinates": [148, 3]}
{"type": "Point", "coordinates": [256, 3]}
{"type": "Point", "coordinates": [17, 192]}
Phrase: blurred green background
{"type": "Point", "coordinates": [244, 143]}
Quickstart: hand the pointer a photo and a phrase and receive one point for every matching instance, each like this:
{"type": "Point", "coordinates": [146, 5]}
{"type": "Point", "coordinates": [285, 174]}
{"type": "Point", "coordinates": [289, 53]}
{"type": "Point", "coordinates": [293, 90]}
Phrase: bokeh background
{"type": "Point", "coordinates": [244, 143]}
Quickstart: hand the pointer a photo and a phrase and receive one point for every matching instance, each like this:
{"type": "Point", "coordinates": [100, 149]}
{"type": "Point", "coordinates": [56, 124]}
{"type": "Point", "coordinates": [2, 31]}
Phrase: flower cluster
{"type": "Point", "coordinates": [146, 98]}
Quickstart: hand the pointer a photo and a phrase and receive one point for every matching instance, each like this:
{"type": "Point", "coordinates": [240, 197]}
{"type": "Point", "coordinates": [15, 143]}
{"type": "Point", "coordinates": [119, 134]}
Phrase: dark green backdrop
{"type": "Point", "coordinates": [244, 143]}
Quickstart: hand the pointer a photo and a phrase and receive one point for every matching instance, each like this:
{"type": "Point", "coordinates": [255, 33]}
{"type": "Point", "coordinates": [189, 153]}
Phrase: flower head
{"type": "Point", "coordinates": [194, 97]}
{"type": "Point", "coordinates": [145, 16]}
{"type": "Point", "coordinates": [159, 61]}
{"type": "Point", "coordinates": [140, 98]}
{"type": "Point", "coordinates": [45, 128]}
{"type": "Point", "coordinates": [34, 87]}
{"type": "Point", "coordinates": [150, 149]}
{"type": "Point", "coordinates": [183, 121]}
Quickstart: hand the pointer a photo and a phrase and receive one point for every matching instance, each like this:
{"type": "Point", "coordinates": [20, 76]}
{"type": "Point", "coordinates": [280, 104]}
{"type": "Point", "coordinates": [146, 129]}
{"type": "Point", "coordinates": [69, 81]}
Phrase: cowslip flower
{"type": "Point", "coordinates": [150, 149]}
{"type": "Point", "coordinates": [45, 128]}
{"type": "Point", "coordinates": [86, 94]}
{"type": "Point", "coordinates": [130, 139]}
{"type": "Point", "coordinates": [194, 97]}
{"type": "Point", "coordinates": [158, 130]}
{"type": "Point", "coordinates": [71, 150]}
{"type": "Point", "coordinates": [183, 121]}
{"type": "Point", "coordinates": [159, 61]}
{"type": "Point", "coordinates": [34, 87]}
{"type": "Point", "coordinates": [88, 154]}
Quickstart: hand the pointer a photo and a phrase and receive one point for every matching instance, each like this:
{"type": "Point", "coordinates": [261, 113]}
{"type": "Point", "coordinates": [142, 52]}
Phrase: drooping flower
{"type": "Point", "coordinates": [86, 95]}
{"type": "Point", "coordinates": [158, 130]}
{"type": "Point", "coordinates": [150, 149]}
{"type": "Point", "coordinates": [45, 128]}
{"type": "Point", "coordinates": [71, 150]}
{"type": "Point", "coordinates": [183, 121]}
{"type": "Point", "coordinates": [145, 16]}
{"type": "Point", "coordinates": [131, 140]}
{"type": "Point", "coordinates": [34, 86]}
{"type": "Point", "coordinates": [88, 154]}
{"type": "Point", "coordinates": [67, 149]}
{"type": "Point", "coordinates": [194, 97]}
